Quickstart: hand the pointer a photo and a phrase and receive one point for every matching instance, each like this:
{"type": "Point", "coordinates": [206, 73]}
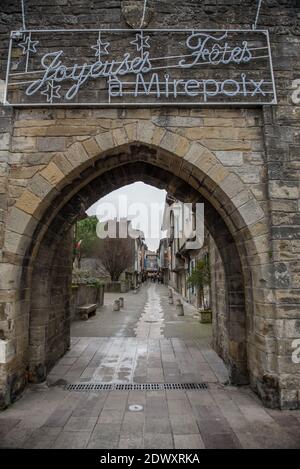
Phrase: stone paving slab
{"type": "Point", "coordinates": [212, 419]}
{"type": "Point", "coordinates": [222, 416]}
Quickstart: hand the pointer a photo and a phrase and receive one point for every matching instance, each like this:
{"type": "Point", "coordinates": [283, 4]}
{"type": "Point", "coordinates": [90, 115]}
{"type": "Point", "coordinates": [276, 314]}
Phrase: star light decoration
{"type": "Point", "coordinates": [101, 48]}
{"type": "Point", "coordinates": [28, 45]}
{"type": "Point", "coordinates": [51, 91]}
{"type": "Point", "coordinates": [141, 42]}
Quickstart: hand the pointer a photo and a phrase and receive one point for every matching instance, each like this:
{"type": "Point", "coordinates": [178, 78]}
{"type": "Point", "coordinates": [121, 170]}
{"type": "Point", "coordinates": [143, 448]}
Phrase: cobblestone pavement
{"type": "Point", "coordinates": [146, 342]}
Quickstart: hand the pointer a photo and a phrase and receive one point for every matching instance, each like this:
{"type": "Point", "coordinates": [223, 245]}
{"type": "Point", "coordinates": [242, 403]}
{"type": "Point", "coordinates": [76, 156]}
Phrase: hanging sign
{"type": "Point", "coordinates": [138, 68]}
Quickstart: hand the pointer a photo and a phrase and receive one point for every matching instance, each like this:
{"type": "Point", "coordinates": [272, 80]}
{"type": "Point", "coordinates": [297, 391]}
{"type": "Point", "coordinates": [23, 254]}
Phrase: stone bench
{"type": "Point", "coordinates": [85, 311]}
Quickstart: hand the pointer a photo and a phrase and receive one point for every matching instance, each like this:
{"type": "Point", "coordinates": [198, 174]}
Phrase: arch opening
{"type": "Point", "coordinates": [47, 267]}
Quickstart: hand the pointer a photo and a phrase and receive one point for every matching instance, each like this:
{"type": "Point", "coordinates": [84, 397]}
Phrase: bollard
{"type": "Point", "coordinates": [179, 308]}
{"type": "Point", "coordinates": [121, 300]}
{"type": "Point", "coordinates": [170, 293]}
{"type": "Point", "coordinates": [116, 306]}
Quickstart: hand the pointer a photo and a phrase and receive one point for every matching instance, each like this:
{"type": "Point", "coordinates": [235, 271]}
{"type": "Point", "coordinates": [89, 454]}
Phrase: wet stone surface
{"type": "Point", "coordinates": [146, 342]}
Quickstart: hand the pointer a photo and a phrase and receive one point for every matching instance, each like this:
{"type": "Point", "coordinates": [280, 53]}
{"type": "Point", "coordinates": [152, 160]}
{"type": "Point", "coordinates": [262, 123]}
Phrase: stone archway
{"type": "Point", "coordinates": [49, 318]}
{"type": "Point", "coordinates": [72, 180]}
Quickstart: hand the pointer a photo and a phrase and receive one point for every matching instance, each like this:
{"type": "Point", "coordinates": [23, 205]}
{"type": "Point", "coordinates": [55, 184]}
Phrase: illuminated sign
{"type": "Point", "coordinates": [143, 67]}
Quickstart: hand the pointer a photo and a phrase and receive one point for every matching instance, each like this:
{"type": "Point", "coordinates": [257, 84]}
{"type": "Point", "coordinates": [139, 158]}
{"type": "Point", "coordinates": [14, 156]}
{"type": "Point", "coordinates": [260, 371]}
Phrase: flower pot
{"type": "Point", "coordinates": [206, 316]}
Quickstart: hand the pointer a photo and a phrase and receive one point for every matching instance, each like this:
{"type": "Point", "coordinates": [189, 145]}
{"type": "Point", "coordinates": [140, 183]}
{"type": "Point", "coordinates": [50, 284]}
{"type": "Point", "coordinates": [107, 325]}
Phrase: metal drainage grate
{"type": "Point", "coordinates": [85, 387]}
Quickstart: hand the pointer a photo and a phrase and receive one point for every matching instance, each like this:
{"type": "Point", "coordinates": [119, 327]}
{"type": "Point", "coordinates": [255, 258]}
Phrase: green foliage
{"type": "Point", "coordinates": [86, 231]}
{"type": "Point", "coordinates": [200, 275]}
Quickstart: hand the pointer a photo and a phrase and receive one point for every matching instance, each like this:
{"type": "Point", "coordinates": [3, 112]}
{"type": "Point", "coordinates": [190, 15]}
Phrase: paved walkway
{"type": "Point", "coordinates": [146, 342]}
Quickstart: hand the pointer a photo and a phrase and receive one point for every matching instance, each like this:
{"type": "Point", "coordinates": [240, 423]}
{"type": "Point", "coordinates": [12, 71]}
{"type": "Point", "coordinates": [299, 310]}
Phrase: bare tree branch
{"type": "Point", "coordinates": [116, 255]}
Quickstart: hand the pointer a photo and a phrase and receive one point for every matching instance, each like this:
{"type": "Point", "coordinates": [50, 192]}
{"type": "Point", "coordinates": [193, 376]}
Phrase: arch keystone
{"type": "Point", "coordinates": [131, 131]}
{"type": "Point", "coordinates": [158, 134]}
{"type": "Point", "coordinates": [144, 131]}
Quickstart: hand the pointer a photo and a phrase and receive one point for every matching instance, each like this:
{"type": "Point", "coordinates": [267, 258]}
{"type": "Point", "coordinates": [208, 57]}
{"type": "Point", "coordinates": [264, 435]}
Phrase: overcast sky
{"type": "Point", "coordinates": [139, 202]}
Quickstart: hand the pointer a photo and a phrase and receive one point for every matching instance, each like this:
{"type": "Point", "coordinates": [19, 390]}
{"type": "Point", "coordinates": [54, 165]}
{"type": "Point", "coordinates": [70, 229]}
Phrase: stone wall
{"type": "Point", "coordinates": [85, 135]}
{"type": "Point", "coordinates": [84, 294]}
{"type": "Point", "coordinates": [243, 162]}
{"type": "Point", "coordinates": [220, 339]}
{"type": "Point", "coordinates": [50, 312]}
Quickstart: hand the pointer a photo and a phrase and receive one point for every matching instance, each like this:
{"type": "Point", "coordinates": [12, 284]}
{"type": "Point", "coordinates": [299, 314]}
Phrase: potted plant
{"type": "Point", "coordinates": [199, 278]}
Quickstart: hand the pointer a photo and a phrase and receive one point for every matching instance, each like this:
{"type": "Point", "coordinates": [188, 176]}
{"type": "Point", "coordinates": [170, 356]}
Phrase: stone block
{"type": "Point", "coordinates": [182, 147]}
{"type": "Point", "coordinates": [16, 243]}
{"type": "Point", "coordinates": [20, 123]}
{"type": "Point", "coordinates": [144, 131]}
{"type": "Point", "coordinates": [39, 186]}
{"type": "Point", "coordinates": [224, 122]}
{"type": "Point", "coordinates": [23, 172]}
{"type": "Point", "coordinates": [284, 189]}
{"type": "Point", "coordinates": [7, 350]}
{"type": "Point", "coordinates": [242, 198]}
{"type": "Point", "coordinates": [251, 212]}
{"type": "Point", "coordinates": [52, 174]}
{"type": "Point", "coordinates": [194, 155]}
{"type": "Point", "coordinates": [282, 276]}
{"type": "Point", "coordinates": [292, 328]}
{"type": "Point", "coordinates": [249, 174]}
{"type": "Point", "coordinates": [28, 202]}
{"type": "Point", "coordinates": [158, 134]}
{"type": "Point", "coordinates": [24, 144]}
{"type": "Point", "coordinates": [231, 185]}
{"type": "Point", "coordinates": [91, 147]}
{"type": "Point", "coordinates": [20, 221]}
{"type": "Point", "coordinates": [279, 205]}
{"type": "Point", "coordinates": [9, 276]}
{"type": "Point", "coordinates": [5, 124]}
{"type": "Point", "coordinates": [230, 158]}
{"type": "Point", "coordinates": [131, 130]}
{"type": "Point", "coordinates": [177, 121]}
{"type": "Point", "coordinates": [69, 130]}
{"type": "Point", "coordinates": [172, 141]}
{"type": "Point", "coordinates": [62, 163]}
{"type": "Point", "coordinates": [4, 141]}
{"type": "Point", "coordinates": [32, 159]}
{"type": "Point", "coordinates": [286, 365]}
{"type": "Point", "coordinates": [51, 144]}
{"type": "Point", "coordinates": [226, 145]}
{"type": "Point", "coordinates": [76, 154]}
{"type": "Point", "coordinates": [217, 173]}
{"type": "Point", "coordinates": [105, 141]}
{"type": "Point", "coordinates": [119, 136]}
